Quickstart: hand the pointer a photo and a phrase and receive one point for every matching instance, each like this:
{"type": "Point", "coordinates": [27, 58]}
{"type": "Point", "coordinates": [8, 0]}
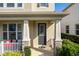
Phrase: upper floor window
{"type": "Point", "coordinates": [67, 28]}
{"type": "Point", "coordinates": [77, 29]}
{"type": "Point", "coordinates": [19, 4]}
{"type": "Point", "coordinates": [1, 5]}
{"type": "Point", "coordinates": [42, 5]}
{"type": "Point", "coordinates": [10, 5]}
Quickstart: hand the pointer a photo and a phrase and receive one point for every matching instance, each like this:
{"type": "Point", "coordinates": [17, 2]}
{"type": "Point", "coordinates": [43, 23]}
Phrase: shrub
{"type": "Point", "coordinates": [69, 49]}
{"type": "Point", "coordinates": [73, 38]}
{"type": "Point", "coordinates": [27, 51]}
{"type": "Point", "coordinates": [12, 53]}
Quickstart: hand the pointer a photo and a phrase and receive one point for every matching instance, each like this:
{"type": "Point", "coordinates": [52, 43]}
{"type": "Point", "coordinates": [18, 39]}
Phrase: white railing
{"type": "Point", "coordinates": [10, 46]}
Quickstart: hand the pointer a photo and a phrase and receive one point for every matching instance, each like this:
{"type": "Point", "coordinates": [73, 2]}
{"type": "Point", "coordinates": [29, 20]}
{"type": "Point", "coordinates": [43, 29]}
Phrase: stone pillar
{"type": "Point", "coordinates": [58, 40]}
{"type": "Point", "coordinates": [26, 35]}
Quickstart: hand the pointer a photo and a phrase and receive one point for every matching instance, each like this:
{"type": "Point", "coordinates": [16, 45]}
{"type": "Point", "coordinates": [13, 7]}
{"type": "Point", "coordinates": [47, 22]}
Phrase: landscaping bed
{"type": "Point", "coordinates": [69, 48]}
{"type": "Point", "coordinates": [26, 52]}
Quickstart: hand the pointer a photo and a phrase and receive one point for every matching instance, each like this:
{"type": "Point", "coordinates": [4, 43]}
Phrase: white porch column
{"type": "Point", "coordinates": [26, 36]}
{"type": "Point", "coordinates": [58, 40]}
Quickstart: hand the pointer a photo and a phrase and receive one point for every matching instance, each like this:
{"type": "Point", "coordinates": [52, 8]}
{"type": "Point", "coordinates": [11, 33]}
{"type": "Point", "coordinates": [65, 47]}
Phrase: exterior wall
{"type": "Point", "coordinates": [72, 19]}
{"type": "Point", "coordinates": [27, 7]}
{"type": "Point", "coordinates": [50, 8]}
{"type": "Point", "coordinates": [34, 32]}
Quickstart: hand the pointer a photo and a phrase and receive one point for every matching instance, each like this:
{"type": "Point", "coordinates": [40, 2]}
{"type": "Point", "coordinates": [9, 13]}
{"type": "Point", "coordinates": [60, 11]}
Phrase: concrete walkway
{"type": "Point", "coordinates": [41, 52]}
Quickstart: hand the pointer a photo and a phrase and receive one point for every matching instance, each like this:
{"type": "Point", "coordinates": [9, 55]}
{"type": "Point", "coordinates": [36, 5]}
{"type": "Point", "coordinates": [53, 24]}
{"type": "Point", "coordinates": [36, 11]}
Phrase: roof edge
{"type": "Point", "coordinates": [35, 15]}
{"type": "Point", "coordinates": [68, 6]}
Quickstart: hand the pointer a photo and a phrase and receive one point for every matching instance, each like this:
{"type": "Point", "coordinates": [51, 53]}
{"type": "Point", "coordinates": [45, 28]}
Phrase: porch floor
{"type": "Point", "coordinates": [41, 52]}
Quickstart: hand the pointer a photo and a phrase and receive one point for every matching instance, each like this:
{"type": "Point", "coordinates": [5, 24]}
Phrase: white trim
{"type": "Point", "coordinates": [15, 5]}
{"type": "Point", "coordinates": [4, 5]}
{"type": "Point", "coordinates": [16, 32]}
{"type": "Point", "coordinates": [7, 31]}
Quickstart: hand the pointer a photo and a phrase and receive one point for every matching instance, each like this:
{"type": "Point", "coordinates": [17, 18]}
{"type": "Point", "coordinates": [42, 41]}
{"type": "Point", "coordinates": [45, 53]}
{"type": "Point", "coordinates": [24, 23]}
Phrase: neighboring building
{"type": "Point", "coordinates": [32, 24]}
{"type": "Point", "coordinates": [70, 23]}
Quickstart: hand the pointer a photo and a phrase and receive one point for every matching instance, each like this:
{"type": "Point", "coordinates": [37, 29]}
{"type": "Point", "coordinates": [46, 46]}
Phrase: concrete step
{"type": "Point", "coordinates": [41, 52]}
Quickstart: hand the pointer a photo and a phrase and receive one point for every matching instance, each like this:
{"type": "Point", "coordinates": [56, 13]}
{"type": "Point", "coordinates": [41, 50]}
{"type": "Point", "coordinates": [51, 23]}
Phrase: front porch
{"type": "Point", "coordinates": [20, 32]}
{"type": "Point", "coordinates": [39, 31]}
{"type": "Point", "coordinates": [38, 34]}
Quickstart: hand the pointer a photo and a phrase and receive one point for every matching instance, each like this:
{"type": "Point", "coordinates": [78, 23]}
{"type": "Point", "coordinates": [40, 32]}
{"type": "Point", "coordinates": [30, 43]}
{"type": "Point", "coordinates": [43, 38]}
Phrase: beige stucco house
{"type": "Point", "coordinates": [34, 24]}
{"type": "Point", "coordinates": [70, 23]}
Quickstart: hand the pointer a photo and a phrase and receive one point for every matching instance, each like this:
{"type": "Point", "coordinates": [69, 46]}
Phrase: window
{"type": "Point", "coordinates": [4, 31]}
{"type": "Point", "coordinates": [1, 5]}
{"type": "Point", "coordinates": [4, 35]}
{"type": "Point", "coordinates": [12, 31]}
{"type": "Point", "coordinates": [12, 27]}
{"type": "Point", "coordinates": [12, 35]}
{"type": "Point", "coordinates": [67, 29]}
{"type": "Point", "coordinates": [4, 27]}
{"type": "Point", "coordinates": [19, 31]}
{"type": "Point", "coordinates": [10, 5]}
{"type": "Point", "coordinates": [19, 35]}
{"type": "Point", "coordinates": [77, 29]}
{"type": "Point", "coordinates": [42, 5]}
{"type": "Point", "coordinates": [19, 4]}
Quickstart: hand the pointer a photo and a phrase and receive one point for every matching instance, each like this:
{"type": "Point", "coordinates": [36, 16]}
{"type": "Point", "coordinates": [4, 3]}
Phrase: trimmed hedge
{"type": "Point", "coordinates": [70, 37]}
{"type": "Point", "coordinates": [27, 51]}
{"type": "Point", "coordinates": [12, 53]}
{"type": "Point", "coordinates": [69, 48]}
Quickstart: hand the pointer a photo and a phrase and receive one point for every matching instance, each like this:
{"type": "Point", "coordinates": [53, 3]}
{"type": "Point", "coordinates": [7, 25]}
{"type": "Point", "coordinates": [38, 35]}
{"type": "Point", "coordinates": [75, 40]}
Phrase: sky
{"type": "Point", "coordinates": [61, 6]}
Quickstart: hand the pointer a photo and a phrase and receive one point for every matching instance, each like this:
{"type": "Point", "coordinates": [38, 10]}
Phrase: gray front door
{"type": "Point", "coordinates": [42, 33]}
